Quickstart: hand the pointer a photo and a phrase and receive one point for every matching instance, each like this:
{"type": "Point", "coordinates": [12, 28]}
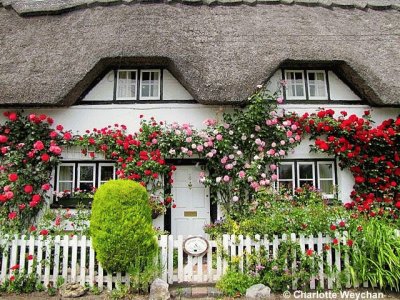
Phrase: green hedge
{"type": "Point", "coordinates": [121, 225]}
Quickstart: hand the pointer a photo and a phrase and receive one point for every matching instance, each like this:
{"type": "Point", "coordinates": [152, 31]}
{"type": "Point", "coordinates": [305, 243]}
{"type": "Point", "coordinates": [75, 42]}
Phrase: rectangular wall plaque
{"type": "Point", "coordinates": [190, 214]}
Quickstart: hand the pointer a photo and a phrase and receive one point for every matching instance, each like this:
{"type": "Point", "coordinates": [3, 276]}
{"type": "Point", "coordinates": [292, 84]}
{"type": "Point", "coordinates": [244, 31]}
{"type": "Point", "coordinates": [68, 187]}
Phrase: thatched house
{"type": "Point", "coordinates": [90, 63]}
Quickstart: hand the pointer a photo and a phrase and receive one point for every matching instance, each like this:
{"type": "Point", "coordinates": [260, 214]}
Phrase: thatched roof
{"type": "Point", "coordinates": [52, 50]}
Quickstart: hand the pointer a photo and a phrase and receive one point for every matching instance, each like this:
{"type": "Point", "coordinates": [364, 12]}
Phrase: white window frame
{"type": "Point", "coordinates": [293, 180]}
{"type": "Point", "coordinates": [79, 165]}
{"type": "Point", "coordinates": [325, 97]}
{"type": "Point", "coordinates": [158, 97]}
{"type": "Point", "coordinates": [62, 181]}
{"type": "Point", "coordinates": [118, 82]}
{"type": "Point", "coordinates": [333, 179]}
{"type": "Point", "coordinates": [99, 181]}
{"type": "Point", "coordinates": [289, 86]}
{"type": "Point", "coordinates": [312, 163]}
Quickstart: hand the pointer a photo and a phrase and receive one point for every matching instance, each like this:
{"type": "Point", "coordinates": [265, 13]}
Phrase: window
{"type": "Point", "coordinates": [66, 177]}
{"type": "Point", "coordinates": [286, 176]}
{"type": "Point", "coordinates": [306, 85]}
{"type": "Point", "coordinates": [82, 175]}
{"type": "Point", "coordinates": [126, 84]}
{"type": "Point", "coordinates": [320, 174]}
{"type": "Point", "coordinates": [138, 84]}
{"type": "Point", "coordinates": [317, 85]}
{"type": "Point", "coordinates": [150, 84]}
{"type": "Point", "coordinates": [295, 88]}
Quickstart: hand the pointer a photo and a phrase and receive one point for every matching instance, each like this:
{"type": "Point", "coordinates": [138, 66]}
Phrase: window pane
{"type": "Point", "coordinates": [106, 173]}
{"type": "Point", "coordinates": [145, 76]}
{"type": "Point", "coordinates": [285, 172]}
{"type": "Point", "coordinates": [86, 173]}
{"type": "Point", "coordinates": [126, 84]}
{"type": "Point", "coordinates": [145, 91]}
{"type": "Point", "coordinates": [306, 171]}
{"type": "Point", "coordinates": [326, 186]}
{"type": "Point", "coordinates": [299, 90]}
{"type": "Point", "coordinates": [122, 74]}
{"type": "Point", "coordinates": [66, 173]}
{"type": "Point", "coordinates": [65, 186]}
{"type": "Point", "coordinates": [325, 170]}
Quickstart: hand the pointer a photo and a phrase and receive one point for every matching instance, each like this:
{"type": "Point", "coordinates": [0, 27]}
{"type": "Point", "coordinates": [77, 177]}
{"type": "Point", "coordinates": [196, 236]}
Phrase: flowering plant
{"type": "Point", "coordinates": [30, 149]}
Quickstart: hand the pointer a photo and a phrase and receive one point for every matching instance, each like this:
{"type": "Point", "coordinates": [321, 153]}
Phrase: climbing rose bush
{"type": "Point", "coordinates": [29, 150]}
{"type": "Point", "coordinates": [370, 153]}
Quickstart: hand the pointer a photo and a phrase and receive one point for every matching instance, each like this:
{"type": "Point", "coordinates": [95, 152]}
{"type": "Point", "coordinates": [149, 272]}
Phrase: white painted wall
{"type": "Point", "coordinates": [339, 90]}
{"type": "Point", "coordinates": [103, 90]}
{"type": "Point", "coordinates": [172, 89]}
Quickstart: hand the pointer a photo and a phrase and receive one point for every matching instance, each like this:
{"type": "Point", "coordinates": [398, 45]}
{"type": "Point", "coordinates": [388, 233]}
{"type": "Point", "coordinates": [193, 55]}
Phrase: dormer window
{"type": "Point", "coordinates": [136, 85]}
{"type": "Point", "coordinates": [306, 85]}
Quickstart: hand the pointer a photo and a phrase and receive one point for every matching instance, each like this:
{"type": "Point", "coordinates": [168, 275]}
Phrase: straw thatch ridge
{"type": "Point", "coordinates": [219, 53]}
{"type": "Point", "coordinates": [30, 7]}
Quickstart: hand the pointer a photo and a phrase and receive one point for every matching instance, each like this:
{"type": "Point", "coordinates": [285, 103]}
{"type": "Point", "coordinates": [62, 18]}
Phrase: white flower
{"type": "Point", "coordinates": [235, 199]}
{"type": "Point", "coordinates": [172, 151]}
{"type": "Point", "coordinates": [218, 179]}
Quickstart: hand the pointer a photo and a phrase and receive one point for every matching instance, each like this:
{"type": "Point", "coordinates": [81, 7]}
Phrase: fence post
{"type": "Point", "coordinates": [56, 267]}
{"type": "Point", "coordinates": [22, 253]}
{"type": "Point", "coordinates": [164, 257]}
{"type": "Point", "coordinates": [225, 254]}
{"type": "Point", "coordinates": [170, 262]}
{"type": "Point", "coordinates": [83, 261]}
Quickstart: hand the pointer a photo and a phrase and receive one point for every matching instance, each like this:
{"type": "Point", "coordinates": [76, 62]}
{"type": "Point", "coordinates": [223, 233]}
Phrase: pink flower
{"type": "Point", "coordinates": [189, 139]}
{"type": "Point", "coordinates": [219, 137]}
{"type": "Point", "coordinates": [242, 174]}
{"type": "Point", "coordinates": [200, 148]}
{"type": "Point", "coordinates": [55, 149]}
{"type": "Point", "coordinates": [279, 100]}
{"type": "Point", "coordinates": [274, 177]}
{"type": "Point", "coordinates": [45, 187]}
{"type": "Point", "coordinates": [9, 195]}
{"type": "Point", "coordinates": [28, 189]}
{"type": "Point", "coordinates": [226, 178]}
{"type": "Point", "coordinates": [3, 139]}
{"type": "Point", "coordinates": [289, 134]}
{"type": "Point", "coordinates": [282, 152]}
{"type": "Point", "coordinates": [38, 145]}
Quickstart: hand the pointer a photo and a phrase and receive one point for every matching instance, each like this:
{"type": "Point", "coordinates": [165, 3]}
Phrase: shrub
{"type": "Point", "coordinates": [121, 225]}
{"type": "Point", "coordinates": [234, 283]}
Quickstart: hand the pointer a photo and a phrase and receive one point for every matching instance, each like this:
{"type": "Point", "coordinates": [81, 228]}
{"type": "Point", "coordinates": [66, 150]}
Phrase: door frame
{"type": "Point", "coordinates": [186, 162]}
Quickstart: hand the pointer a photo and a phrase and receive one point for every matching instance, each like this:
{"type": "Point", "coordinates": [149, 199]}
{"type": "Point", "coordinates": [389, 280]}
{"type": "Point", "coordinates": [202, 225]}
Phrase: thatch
{"type": "Point", "coordinates": [218, 52]}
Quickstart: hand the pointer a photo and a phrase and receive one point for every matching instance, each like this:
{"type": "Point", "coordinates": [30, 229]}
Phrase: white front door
{"type": "Point", "coordinates": [192, 201]}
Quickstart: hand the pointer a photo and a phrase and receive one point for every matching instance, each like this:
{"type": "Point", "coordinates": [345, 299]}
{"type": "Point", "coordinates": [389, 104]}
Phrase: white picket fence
{"type": "Point", "coordinates": [73, 259]}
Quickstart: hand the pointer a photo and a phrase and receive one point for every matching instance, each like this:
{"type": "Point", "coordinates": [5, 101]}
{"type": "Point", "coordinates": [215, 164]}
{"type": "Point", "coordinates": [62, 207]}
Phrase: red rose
{"type": "Point", "coordinates": [309, 252]}
{"type": "Point", "coordinates": [327, 247]}
{"type": "Point", "coordinates": [36, 198]}
{"type": "Point", "coordinates": [59, 127]}
{"type": "Point", "coordinates": [335, 241]}
{"type": "Point", "coordinates": [3, 139]}
{"type": "Point", "coordinates": [50, 120]}
{"type": "Point", "coordinates": [397, 204]}
{"type": "Point", "coordinates": [32, 228]}
{"type": "Point", "coordinates": [45, 157]}
{"type": "Point", "coordinates": [15, 267]}
{"type": "Point", "coordinates": [13, 116]}
{"type": "Point", "coordinates": [28, 189]}
{"type": "Point", "coordinates": [321, 114]}
{"type": "Point", "coordinates": [38, 145]}
{"type": "Point", "coordinates": [147, 172]}
{"type": "Point", "coordinates": [359, 179]}
{"type": "Point", "coordinates": [44, 232]}
{"type": "Point", "coordinates": [350, 243]}
{"type": "Point", "coordinates": [13, 177]}
{"type": "Point", "coordinates": [342, 224]}
{"type": "Point", "coordinates": [53, 134]}
{"type": "Point", "coordinates": [67, 136]}
{"type": "Point", "coordinates": [30, 257]}
{"type": "Point", "coordinates": [333, 227]}
{"type": "Point", "coordinates": [12, 278]}
{"type": "Point", "coordinates": [22, 206]}
{"type": "Point", "coordinates": [12, 215]}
